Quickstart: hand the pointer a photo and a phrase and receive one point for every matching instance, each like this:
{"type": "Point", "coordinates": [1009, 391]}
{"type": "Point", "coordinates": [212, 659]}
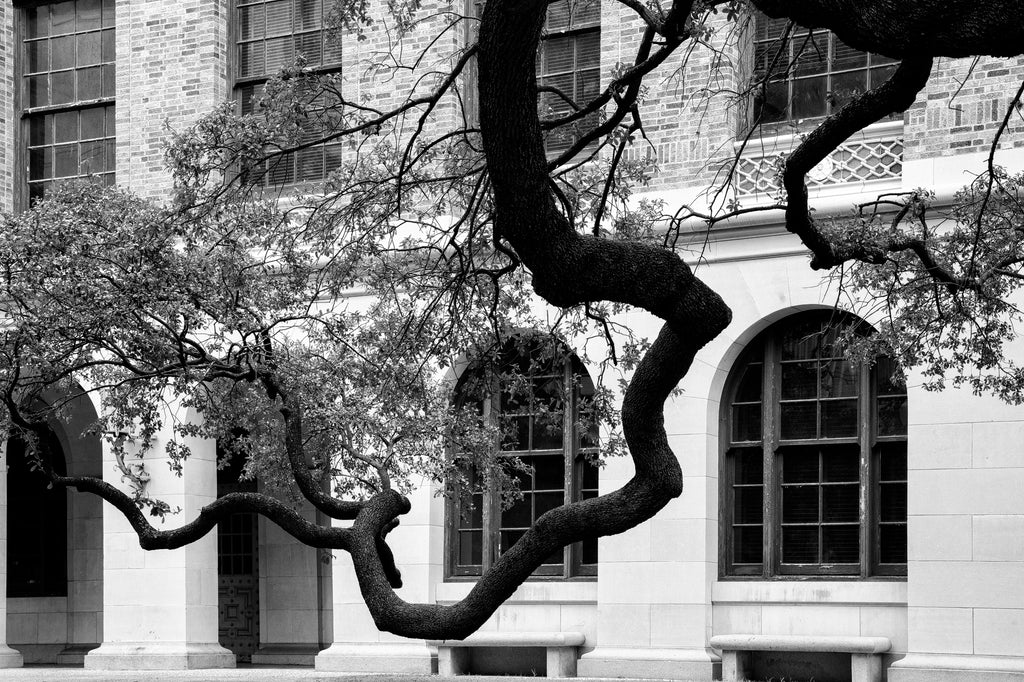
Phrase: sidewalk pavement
{"type": "Point", "coordinates": [33, 673]}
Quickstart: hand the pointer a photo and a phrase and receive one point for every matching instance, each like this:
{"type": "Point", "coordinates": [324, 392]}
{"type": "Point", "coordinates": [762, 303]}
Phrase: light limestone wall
{"type": "Point", "coordinates": [160, 607]}
{"type": "Point", "coordinates": [966, 536]}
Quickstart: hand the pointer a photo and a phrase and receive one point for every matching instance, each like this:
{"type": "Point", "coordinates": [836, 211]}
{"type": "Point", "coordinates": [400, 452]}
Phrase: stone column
{"type": "Point", "coordinates": [358, 645]}
{"type": "Point", "coordinates": [160, 607]}
{"type": "Point", "coordinates": [9, 658]}
{"type": "Point", "coordinates": [654, 581]}
{"type": "Point", "coordinates": [965, 545]}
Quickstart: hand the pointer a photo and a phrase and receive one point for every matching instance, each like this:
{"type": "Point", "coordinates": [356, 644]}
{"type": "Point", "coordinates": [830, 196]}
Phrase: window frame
{"type": "Point", "coordinates": [25, 113]}
{"type": "Point", "coordinates": [767, 345]}
{"type": "Point", "coordinates": [574, 455]}
{"type": "Point", "coordinates": [239, 83]}
{"type": "Point", "coordinates": [788, 122]}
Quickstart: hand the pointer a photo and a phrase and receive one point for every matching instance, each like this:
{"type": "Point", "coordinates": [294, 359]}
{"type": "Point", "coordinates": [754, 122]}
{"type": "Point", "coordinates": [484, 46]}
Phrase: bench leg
{"type": "Point", "coordinates": [561, 661]}
{"type": "Point", "coordinates": [452, 660]}
{"type": "Point", "coordinates": [866, 668]}
{"type": "Point", "coordinates": [734, 665]}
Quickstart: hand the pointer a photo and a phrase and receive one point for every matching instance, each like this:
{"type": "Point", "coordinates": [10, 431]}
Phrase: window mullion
{"type": "Point", "coordinates": [771, 517]}
{"type": "Point", "coordinates": [867, 497]}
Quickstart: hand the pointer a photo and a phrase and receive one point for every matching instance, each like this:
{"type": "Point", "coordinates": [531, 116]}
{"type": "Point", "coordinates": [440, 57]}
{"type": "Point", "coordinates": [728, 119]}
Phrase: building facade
{"type": "Point", "coordinates": [821, 498]}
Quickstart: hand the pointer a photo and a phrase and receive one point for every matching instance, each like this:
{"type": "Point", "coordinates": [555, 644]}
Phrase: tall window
{"type": "Point", "coordinates": [810, 73]}
{"type": "Point", "coordinates": [67, 93]}
{"type": "Point", "coordinates": [814, 477]}
{"type": "Point", "coordinates": [569, 60]}
{"type": "Point", "coordinates": [37, 527]}
{"type": "Point", "coordinates": [270, 35]}
{"type": "Point", "coordinates": [541, 411]}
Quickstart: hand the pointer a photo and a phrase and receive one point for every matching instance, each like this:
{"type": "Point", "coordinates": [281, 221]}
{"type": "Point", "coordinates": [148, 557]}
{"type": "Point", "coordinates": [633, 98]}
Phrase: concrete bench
{"type": "Point", "coordinates": [453, 654]}
{"type": "Point", "coordinates": [865, 652]}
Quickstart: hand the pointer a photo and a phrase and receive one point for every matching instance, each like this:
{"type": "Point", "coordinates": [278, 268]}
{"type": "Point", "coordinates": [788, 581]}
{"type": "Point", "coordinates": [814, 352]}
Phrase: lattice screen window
{"type": "Point", "coordinates": [68, 92]}
{"type": "Point", "coordinates": [569, 59]}
{"type": "Point", "coordinates": [270, 35]}
{"type": "Point", "coordinates": [811, 74]}
{"type": "Point", "coordinates": [815, 459]}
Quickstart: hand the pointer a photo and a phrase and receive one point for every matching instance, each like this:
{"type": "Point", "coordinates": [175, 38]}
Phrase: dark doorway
{"type": "Point", "coordinates": [238, 570]}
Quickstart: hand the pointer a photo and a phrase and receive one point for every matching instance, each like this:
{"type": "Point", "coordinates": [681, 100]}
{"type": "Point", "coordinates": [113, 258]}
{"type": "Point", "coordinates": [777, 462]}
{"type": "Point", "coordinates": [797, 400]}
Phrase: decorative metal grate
{"type": "Point", "coordinates": [758, 170]}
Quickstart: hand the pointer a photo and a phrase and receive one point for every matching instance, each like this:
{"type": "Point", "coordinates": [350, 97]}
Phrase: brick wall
{"type": "Point", "coordinates": [171, 68]}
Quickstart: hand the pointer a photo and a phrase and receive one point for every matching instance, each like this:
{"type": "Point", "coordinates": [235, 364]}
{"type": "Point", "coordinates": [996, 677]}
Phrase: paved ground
{"type": "Point", "coordinates": [242, 674]}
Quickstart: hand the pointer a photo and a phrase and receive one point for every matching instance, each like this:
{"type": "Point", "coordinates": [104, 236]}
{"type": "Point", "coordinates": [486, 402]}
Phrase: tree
{"type": "Point", "coordinates": [232, 302]}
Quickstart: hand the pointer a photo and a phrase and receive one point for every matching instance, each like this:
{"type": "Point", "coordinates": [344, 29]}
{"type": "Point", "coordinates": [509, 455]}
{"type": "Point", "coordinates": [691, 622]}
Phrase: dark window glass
{"type": "Point", "coordinates": [807, 75]}
{"type": "Point", "coordinates": [37, 523]}
{"type": "Point", "coordinates": [800, 489]}
{"type": "Point", "coordinates": [69, 68]}
{"type": "Point", "coordinates": [271, 34]}
{"type": "Point", "coordinates": [569, 60]}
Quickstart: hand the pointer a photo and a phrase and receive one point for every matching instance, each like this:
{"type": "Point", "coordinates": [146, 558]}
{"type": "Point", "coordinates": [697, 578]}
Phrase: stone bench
{"type": "Point", "coordinates": [561, 647]}
{"type": "Point", "coordinates": [865, 652]}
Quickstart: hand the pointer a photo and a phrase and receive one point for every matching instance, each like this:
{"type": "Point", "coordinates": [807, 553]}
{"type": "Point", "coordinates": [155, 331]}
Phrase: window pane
{"type": "Point", "coordinates": [799, 545]}
{"type": "Point", "coordinates": [846, 87]}
{"type": "Point", "coordinates": [892, 416]}
{"type": "Point", "coordinates": [89, 49]}
{"type": "Point", "coordinates": [545, 502]}
{"type": "Point", "coordinates": [749, 466]}
{"type": "Point", "coordinates": [747, 544]}
{"type": "Point", "coordinates": [746, 422]}
{"type": "Point", "coordinates": [893, 544]}
{"type": "Point", "coordinates": [809, 97]}
{"type": "Point", "coordinates": [40, 130]}
{"type": "Point", "coordinates": [62, 86]}
{"type": "Point", "coordinates": [549, 473]}
{"type": "Point", "coordinates": [841, 464]}
{"type": "Point", "coordinates": [799, 420]}
{"type": "Point", "coordinates": [893, 461]}
{"type": "Point", "coordinates": [811, 52]}
{"type": "Point", "coordinates": [250, 22]}
{"type": "Point", "coordinates": [839, 379]}
{"type": "Point", "coordinates": [893, 503]}
{"type": "Point", "coordinates": [40, 163]}
{"type": "Point", "coordinates": [519, 515]}
{"type": "Point", "coordinates": [799, 380]}
{"type": "Point", "coordinates": [62, 17]}
{"type": "Point", "coordinates": [37, 56]}
{"type": "Point", "coordinates": [62, 52]}
{"type": "Point", "coordinates": [800, 465]}
{"type": "Point", "coordinates": [90, 83]}
{"type": "Point", "coordinates": [92, 123]}
{"type": "Point", "coordinates": [749, 505]}
{"type": "Point", "coordinates": [749, 387]}
{"type": "Point", "coordinates": [66, 124]}
{"type": "Point", "coordinates": [840, 544]}
{"type": "Point", "coordinates": [841, 503]}
{"type": "Point", "coordinates": [92, 154]}
{"type": "Point", "coordinates": [471, 547]}
{"type": "Point", "coordinates": [800, 504]}
{"type": "Point", "coordinates": [65, 160]}
{"type": "Point", "coordinates": [37, 21]}
{"type": "Point", "coordinates": [839, 418]}
{"type": "Point", "coordinates": [89, 15]}
{"type": "Point", "coordinates": [38, 91]}
{"type": "Point", "coordinates": [845, 57]}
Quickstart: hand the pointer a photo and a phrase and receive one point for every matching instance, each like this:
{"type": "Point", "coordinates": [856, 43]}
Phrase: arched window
{"type": "Point", "coordinates": [37, 523]}
{"type": "Point", "coordinates": [539, 399]}
{"type": "Point", "coordinates": [814, 469]}
{"type": "Point", "coordinates": [810, 74]}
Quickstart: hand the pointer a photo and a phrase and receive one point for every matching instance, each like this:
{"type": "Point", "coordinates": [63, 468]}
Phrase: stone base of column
{"type": "Point", "coordinates": [947, 668]}
{"type": "Point", "coordinates": [158, 656]}
{"type": "Point", "coordinates": [374, 657]}
{"type": "Point", "coordinates": [10, 658]}
{"type": "Point", "coordinates": [668, 664]}
{"type": "Point", "coordinates": [74, 654]}
{"type": "Point", "coordinates": [285, 654]}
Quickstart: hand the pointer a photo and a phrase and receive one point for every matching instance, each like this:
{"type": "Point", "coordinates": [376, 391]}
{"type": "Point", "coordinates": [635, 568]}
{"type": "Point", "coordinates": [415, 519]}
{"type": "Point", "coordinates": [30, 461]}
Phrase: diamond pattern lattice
{"type": "Point", "coordinates": [855, 161]}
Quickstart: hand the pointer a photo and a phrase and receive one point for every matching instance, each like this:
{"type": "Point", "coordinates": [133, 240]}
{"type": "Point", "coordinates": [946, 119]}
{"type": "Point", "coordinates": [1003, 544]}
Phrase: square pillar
{"type": "Point", "coordinates": [160, 607]}
{"type": "Point", "coordinates": [358, 645]}
{"type": "Point", "coordinates": [9, 658]}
